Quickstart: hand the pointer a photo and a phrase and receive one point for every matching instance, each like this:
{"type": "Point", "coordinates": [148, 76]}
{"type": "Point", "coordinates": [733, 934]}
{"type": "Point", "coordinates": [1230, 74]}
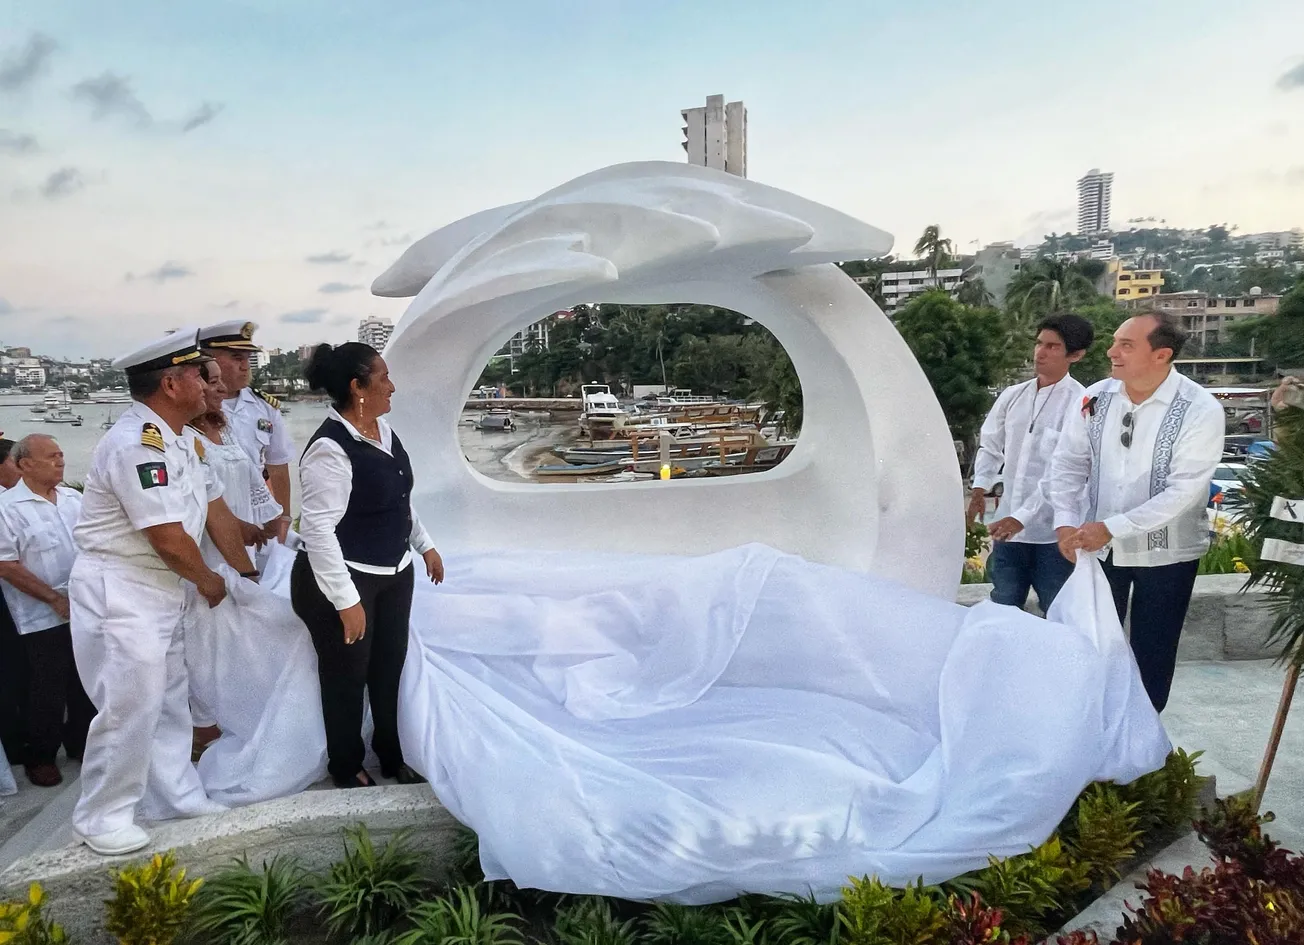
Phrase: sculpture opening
{"type": "Point", "coordinates": [611, 393]}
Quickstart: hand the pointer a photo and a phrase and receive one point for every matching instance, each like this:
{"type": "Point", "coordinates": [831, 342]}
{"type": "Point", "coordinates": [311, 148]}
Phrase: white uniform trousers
{"type": "Point", "coordinates": [129, 645]}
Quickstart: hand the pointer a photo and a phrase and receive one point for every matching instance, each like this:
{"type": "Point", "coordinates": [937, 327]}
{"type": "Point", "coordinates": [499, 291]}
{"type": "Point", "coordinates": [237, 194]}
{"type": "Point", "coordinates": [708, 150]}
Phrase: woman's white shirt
{"type": "Point", "coordinates": [326, 481]}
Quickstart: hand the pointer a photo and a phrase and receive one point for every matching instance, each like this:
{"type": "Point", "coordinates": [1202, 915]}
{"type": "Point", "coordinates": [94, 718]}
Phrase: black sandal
{"type": "Point", "coordinates": [361, 779]}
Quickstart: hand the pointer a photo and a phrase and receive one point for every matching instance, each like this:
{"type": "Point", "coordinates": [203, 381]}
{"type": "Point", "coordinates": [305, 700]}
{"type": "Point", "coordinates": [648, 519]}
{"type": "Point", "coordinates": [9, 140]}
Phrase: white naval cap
{"type": "Point", "coordinates": [174, 348]}
{"type": "Point", "coordinates": [230, 336]}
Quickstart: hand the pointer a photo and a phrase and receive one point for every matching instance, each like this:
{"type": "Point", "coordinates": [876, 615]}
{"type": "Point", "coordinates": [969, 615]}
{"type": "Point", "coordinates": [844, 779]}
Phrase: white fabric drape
{"type": "Point", "coordinates": [693, 728]}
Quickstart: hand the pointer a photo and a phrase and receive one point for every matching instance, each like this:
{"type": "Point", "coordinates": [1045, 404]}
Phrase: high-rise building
{"type": "Point", "coordinates": [1093, 202]}
{"type": "Point", "coordinates": [375, 331]}
{"type": "Point", "coordinates": [716, 135]}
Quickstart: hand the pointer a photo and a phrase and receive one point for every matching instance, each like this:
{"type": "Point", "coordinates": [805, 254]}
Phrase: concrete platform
{"type": "Point", "coordinates": [307, 826]}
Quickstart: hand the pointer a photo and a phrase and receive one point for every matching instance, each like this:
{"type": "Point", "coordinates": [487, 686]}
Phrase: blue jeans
{"type": "Point", "coordinates": [1017, 567]}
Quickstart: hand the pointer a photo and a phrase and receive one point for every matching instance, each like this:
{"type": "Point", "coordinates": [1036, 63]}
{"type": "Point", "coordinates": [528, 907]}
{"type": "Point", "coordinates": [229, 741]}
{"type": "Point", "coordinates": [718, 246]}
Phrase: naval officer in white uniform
{"type": "Point", "coordinates": [145, 506]}
{"type": "Point", "coordinates": [254, 417]}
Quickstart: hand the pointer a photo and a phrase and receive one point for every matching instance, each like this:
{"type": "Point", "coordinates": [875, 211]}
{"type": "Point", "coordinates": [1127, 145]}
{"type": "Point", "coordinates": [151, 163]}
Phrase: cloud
{"type": "Point", "coordinates": [334, 256]}
{"type": "Point", "coordinates": [165, 273]}
{"type": "Point", "coordinates": [14, 143]}
{"type": "Point", "coordinates": [303, 316]}
{"type": "Point", "coordinates": [110, 95]}
{"type": "Point", "coordinates": [334, 288]}
{"type": "Point", "coordinates": [5, 307]}
{"type": "Point", "coordinates": [1295, 175]}
{"type": "Point", "coordinates": [64, 181]}
{"type": "Point", "coordinates": [234, 303]}
{"type": "Point", "coordinates": [202, 115]}
{"type": "Point", "coordinates": [343, 319]}
{"type": "Point", "coordinates": [378, 225]}
{"type": "Point", "coordinates": [1294, 79]}
{"type": "Point", "coordinates": [18, 69]}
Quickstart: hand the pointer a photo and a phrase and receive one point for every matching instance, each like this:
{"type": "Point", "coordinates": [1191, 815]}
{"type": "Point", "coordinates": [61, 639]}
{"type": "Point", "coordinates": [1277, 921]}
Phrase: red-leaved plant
{"type": "Point", "coordinates": [973, 923]}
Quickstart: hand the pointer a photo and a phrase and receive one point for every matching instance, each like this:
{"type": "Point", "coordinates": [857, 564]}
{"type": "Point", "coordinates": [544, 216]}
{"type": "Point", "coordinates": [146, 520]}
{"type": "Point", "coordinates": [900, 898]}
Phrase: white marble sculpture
{"type": "Point", "coordinates": [873, 484]}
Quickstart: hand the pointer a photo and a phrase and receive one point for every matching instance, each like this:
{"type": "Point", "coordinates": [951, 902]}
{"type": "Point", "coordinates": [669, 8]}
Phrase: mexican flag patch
{"type": "Point", "coordinates": [152, 474]}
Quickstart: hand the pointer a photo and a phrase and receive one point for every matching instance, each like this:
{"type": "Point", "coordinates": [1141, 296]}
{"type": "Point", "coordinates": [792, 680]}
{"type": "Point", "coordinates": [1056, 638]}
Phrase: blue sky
{"type": "Point", "coordinates": [324, 135]}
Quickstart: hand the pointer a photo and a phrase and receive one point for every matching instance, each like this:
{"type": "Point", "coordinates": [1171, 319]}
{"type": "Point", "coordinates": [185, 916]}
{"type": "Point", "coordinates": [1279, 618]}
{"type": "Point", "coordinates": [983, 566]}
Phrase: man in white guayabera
{"type": "Point", "coordinates": [1017, 440]}
{"type": "Point", "coordinates": [1131, 475]}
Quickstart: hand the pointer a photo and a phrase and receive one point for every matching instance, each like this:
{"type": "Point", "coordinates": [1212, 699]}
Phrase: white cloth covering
{"type": "Point", "coordinates": [693, 728]}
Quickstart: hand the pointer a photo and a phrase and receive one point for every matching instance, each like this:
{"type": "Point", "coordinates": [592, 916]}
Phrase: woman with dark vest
{"type": "Point", "coordinates": [352, 583]}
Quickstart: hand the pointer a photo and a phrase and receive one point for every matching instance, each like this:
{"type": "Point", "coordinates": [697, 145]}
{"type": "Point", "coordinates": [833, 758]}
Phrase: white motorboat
{"type": "Point", "coordinates": [601, 411]}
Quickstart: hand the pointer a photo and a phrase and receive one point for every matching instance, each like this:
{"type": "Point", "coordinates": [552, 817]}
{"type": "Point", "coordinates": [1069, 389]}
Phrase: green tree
{"type": "Point", "coordinates": [1105, 317]}
{"type": "Point", "coordinates": [1046, 286]}
{"type": "Point", "coordinates": [1279, 338]}
{"type": "Point", "coordinates": [974, 292]}
{"type": "Point", "coordinates": [932, 247]}
{"type": "Point", "coordinates": [1217, 234]}
{"type": "Point", "coordinates": [962, 351]}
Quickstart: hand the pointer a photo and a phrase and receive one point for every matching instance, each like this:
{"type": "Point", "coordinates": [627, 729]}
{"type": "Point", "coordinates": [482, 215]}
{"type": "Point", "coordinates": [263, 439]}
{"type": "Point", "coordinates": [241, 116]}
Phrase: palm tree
{"type": "Point", "coordinates": [1045, 286]}
{"type": "Point", "coordinates": [932, 247]}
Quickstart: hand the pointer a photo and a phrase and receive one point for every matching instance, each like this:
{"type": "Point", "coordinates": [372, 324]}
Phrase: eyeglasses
{"type": "Point", "coordinates": [1126, 437]}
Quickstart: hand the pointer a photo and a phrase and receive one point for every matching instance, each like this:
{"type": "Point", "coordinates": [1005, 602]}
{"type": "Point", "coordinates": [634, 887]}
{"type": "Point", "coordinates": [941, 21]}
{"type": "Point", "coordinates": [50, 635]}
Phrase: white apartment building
{"type": "Point", "coordinates": [534, 337]}
{"type": "Point", "coordinates": [897, 288]}
{"type": "Point", "coordinates": [29, 377]}
{"type": "Point", "coordinates": [1094, 195]}
{"type": "Point", "coordinates": [375, 331]}
{"type": "Point", "coordinates": [716, 135]}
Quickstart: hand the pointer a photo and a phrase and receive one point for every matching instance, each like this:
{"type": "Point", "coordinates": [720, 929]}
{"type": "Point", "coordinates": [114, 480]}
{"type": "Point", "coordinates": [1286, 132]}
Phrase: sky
{"type": "Point", "coordinates": [167, 163]}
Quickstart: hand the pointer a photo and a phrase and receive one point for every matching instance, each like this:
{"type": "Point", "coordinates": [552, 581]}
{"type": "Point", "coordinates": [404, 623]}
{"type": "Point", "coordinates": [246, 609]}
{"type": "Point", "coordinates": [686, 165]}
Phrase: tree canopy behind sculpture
{"type": "Point", "coordinates": [963, 353]}
{"type": "Point", "coordinates": [1279, 338]}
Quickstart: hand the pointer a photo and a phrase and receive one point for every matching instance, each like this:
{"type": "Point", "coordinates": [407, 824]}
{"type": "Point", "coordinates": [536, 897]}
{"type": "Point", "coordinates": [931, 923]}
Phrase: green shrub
{"type": "Point", "coordinates": [741, 929]}
{"type": "Point", "coordinates": [874, 914]}
{"type": "Point", "coordinates": [24, 922]}
{"type": "Point", "coordinates": [1107, 832]}
{"type": "Point", "coordinates": [150, 903]}
{"type": "Point", "coordinates": [1168, 798]}
{"type": "Point", "coordinates": [1231, 552]}
{"type": "Point", "coordinates": [465, 850]}
{"type": "Point", "coordinates": [671, 924]}
{"type": "Point", "coordinates": [975, 539]}
{"type": "Point", "coordinates": [804, 921]}
{"type": "Point", "coordinates": [379, 938]}
{"type": "Point", "coordinates": [368, 890]}
{"type": "Point", "coordinates": [243, 906]}
{"type": "Point", "coordinates": [457, 919]}
{"type": "Point", "coordinates": [589, 921]}
{"type": "Point", "coordinates": [1029, 887]}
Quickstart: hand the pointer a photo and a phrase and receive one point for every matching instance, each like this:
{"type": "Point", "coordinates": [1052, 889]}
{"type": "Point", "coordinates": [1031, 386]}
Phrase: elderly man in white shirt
{"type": "Point", "coordinates": [37, 518]}
{"type": "Point", "coordinates": [1131, 474]}
{"type": "Point", "coordinates": [1017, 441]}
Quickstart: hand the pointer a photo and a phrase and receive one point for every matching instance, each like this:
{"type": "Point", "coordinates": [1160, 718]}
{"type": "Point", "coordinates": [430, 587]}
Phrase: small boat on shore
{"type": "Point", "coordinates": [601, 411]}
{"type": "Point", "coordinates": [495, 421]}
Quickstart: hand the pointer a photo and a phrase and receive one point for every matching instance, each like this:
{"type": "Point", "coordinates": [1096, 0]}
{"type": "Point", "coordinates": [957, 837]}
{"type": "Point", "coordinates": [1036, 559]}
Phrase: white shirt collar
{"type": "Point", "coordinates": [23, 493]}
{"type": "Point", "coordinates": [381, 426]}
{"type": "Point", "coordinates": [169, 435]}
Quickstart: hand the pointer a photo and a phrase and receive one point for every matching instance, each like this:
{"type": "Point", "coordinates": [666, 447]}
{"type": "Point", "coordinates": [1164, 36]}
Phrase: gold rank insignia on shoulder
{"type": "Point", "coordinates": [269, 398]}
{"type": "Point", "coordinates": [152, 436]}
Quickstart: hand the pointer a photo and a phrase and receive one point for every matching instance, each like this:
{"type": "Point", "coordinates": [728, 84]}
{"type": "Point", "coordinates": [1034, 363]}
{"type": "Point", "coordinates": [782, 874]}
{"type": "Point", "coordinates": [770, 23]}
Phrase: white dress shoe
{"type": "Point", "coordinates": [117, 842]}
